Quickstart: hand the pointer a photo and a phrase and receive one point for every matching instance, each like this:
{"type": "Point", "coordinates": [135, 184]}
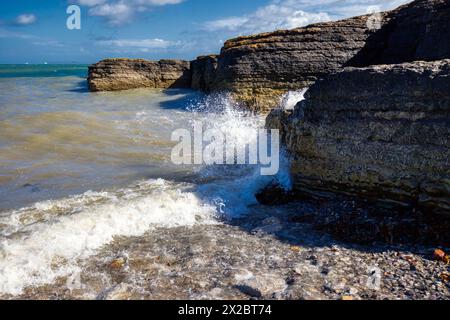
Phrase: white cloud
{"type": "Point", "coordinates": [10, 34]}
{"type": "Point", "coordinates": [116, 14]}
{"type": "Point", "coordinates": [90, 3]}
{"type": "Point", "coordinates": [157, 2]}
{"type": "Point", "coordinates": [32, 39]}
{"type": "Point", "coordinates": [25, 19]}
{"type": "Point", "coordinates": [48, 43]}
{"type": "Point", "coordinates": [143, 44]}
{"type": "Point", "coordinates": [268, 18]}
{"type": "Point", "coordinates": [289, 14]}
{"type": "Point", "coordinates": [231, 23]}
{"type": "Point", "coordinates": [120, 11]}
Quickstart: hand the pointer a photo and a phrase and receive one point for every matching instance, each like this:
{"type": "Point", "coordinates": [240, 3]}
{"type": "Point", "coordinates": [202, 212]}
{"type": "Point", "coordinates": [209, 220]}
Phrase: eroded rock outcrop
{"type": "Point", "coordinates": [204, 70]}
{"type": "Point", "coordinates": [416, 31]}
{"type": "Point", "coordinates": [380, 131]}
{"type": "Point", "coordinates": [259, 69]}
{"type": "Point", "coordinates": [122, 74]}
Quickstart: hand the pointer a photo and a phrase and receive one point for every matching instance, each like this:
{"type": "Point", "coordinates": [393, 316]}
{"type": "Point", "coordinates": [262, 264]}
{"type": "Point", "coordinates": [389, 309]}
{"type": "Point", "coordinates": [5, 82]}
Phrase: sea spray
{"type": "Point", "coordinates": [214, 147]}
{"type": "Point", "coordinates": [234, 187]}
{"type": "Point", "coordinates": [43, 242]}
{"type": "Point", "coordinates": [291, 98]}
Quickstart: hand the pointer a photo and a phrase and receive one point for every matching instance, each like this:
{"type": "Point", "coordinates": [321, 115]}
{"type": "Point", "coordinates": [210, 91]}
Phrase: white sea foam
{"type": "Point", "coordinates": [236, 186]}
{"type": "Point", "coordinates": [38, 252]}
{"type": "Point", "coordinates": [290, 99]}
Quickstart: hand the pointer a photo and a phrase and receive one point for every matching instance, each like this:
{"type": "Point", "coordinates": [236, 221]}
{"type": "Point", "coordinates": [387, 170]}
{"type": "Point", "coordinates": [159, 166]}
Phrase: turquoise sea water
{"type": "Point", "coordinates": [43, 70]}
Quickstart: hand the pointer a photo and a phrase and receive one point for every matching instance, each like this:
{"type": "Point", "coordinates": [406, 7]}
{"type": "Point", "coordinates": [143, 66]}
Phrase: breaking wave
{"type": "Point", "coordinates": [45, 241]}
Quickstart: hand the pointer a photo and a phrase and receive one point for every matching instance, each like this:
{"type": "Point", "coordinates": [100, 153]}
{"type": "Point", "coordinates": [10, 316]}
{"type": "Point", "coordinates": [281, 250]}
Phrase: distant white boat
{"type": "Point", "coordinates": [45, 63]}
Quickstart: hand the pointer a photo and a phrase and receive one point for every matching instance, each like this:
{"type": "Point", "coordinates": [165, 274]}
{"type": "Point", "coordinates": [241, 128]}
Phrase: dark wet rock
{"type": "Point", "coordinates": [413, 32]}
{"type": "Point", "coordinates": [123, 74]}
{"type": "Point", "coordinates": [32, 187]}
{"type": "Point", "coordinates": [121, 291]}
{"type": "Point", "coordinates": [305, 218]}
{"type": "Point", "coordinates": [252, 292]}
{"type": "Point", "coordinates": [367, 223]}
{"type": "Point", "coordinates": [204, 73]}
{"type": "Point", "coordinates": [273, 195]}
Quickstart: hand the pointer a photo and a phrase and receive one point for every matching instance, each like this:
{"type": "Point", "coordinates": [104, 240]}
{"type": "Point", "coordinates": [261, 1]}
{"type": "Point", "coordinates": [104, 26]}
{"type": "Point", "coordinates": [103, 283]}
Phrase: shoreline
{"type": "Point", "coordinates": [398, 149]}
{"type": "Point", "coordinates": [263, 256]}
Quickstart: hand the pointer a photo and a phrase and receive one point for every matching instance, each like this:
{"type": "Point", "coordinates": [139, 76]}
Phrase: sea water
{"type": "Point", "coordinates": [78, 168]}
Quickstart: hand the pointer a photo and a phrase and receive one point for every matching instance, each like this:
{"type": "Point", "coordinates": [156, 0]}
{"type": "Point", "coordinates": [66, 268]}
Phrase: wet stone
{"type": "Point", "coordinates": [229, 261]}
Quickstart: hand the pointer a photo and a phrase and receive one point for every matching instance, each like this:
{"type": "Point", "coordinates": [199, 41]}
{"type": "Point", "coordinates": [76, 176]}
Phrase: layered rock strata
{"type": "Point", "coordinates": [259, 69]}
{"type": "Point", "coordinates": [204, 70]}
{"type": "Point", "coordinates": [123, 74]}
{"type": "Point", "coordinates": [379, 131]}
{"type": "Point", "coordinates": [413, 32]}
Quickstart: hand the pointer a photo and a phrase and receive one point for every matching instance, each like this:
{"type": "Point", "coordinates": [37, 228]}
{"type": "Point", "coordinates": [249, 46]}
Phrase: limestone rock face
{"type": "Point", "coordinates": [122, 74]}
{"type": "Point", "coordinates": [380, 131]}
{"type": "Point", "coordinates": [204, 73]}
{"type": "Point", "coordinates": [418, 31]}
{"type": "Point", "coordinates": [415, 31]}
{"type": "Point", "coordinates": [259, 68]}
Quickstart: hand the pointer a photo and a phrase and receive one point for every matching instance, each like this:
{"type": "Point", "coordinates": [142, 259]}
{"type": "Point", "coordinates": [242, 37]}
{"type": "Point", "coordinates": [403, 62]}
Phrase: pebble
{"type": "Point", "coordinates": [165, 264]}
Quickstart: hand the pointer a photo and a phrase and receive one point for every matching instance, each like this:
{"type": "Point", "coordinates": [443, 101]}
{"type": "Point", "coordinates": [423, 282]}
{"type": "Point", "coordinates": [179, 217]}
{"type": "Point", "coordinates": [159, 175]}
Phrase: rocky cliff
{"type": "Point", "coordinates": [381, 127]}
{"type": "Point", "coordinates": [204, 73]}
{"type": "Point", "coordinates": [256, 69]}
{"type": "Point", "coordinates": [122, 74]}
{"type": "Point", "coordinates": [380, 131]}
{"type": "Point", "coordinates": [259, 69]}
{"type": "Point", "coordinates": [415, 31]}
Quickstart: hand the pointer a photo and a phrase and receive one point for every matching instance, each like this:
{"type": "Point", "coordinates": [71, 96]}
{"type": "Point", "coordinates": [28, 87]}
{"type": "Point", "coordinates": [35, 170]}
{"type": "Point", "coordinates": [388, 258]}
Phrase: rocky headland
{"type": "Point", "coordinates": [381, 131]}
{"type": "Point", "coordinates": [259, 69]}
{"type": "Point", "coordinates": [368, 216]}
{"type": "Point", "coordinates": [123, 74]}
{"type": "Point", "coordinates": [376, 120]}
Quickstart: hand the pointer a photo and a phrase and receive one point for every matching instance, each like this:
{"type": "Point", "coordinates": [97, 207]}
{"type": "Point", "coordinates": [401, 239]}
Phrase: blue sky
{"type": "Point", "coordinates": [35, 31]}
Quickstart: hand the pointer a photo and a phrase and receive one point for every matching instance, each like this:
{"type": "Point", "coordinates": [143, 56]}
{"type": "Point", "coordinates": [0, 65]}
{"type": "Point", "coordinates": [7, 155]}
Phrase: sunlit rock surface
{"type": "Point", "coordinates": [122, 74]}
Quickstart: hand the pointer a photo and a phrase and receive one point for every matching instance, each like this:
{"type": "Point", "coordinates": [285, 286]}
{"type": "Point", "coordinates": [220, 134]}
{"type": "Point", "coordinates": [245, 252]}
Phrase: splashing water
{"type": "Point", "coordinates": [290, 99]}
{"type": "Point", "coordinates": [235, 186]}
{"type": "Point", "coordinates": [46, 240]}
